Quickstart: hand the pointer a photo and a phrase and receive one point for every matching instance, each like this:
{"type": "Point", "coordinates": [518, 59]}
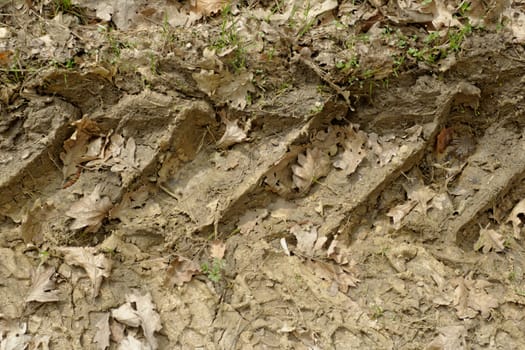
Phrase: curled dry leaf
{"type": "Point", "coordinates": [515, 218]}
{"type": "Point", "coordinates": [97, 266]}
{"type": "Point", "coordinates": [180, 271]}
{"type": "Point", "coordinates": [489, 240]}
{"type": "Point", "coordinates": [233, 134]}
{"type": "Point", "coordinates": [89, 211]}
{"type": "Point", "coordinates": [311, 166]}
{"type": "Point", "coordinates": [43, 287]}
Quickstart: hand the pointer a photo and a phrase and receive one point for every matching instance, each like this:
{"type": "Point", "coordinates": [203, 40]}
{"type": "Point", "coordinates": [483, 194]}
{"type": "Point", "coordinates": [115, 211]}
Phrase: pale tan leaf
{"type": "Point", "coordinates": [150, 319]}
{"type": "Point", "coordinates": [354, 151]}
{"type": "Point", "coordinates": [226, 86]}
{"type": "Point", "coordinates": [311, 166]}
{"type": "Point", "coordinates": [235, 88]}
{"type": "Point", "coordinates": [208, 7]}
{"type": "Point", "coordinates": [131, 343]}
{"type": "Point", "coordinates": [489, 240]}
{"type": "Point", "coordinates": [515, 218]}
{"type": "Point", "coordinates": [180, 271]}
{"type": "Point", "coordinates": [217, 249]}
{"type": "Point", "coordinates": [102, 334]}
{"type": "Point", "coordinates": [97, 266]}
{"type": "Point", "coordinates": [16, 338]}
{"type": "Point", "coordinates": [233, 134]}
{"type": "Point", "coordinates": [306, 236]}
{"type": "Point", "coordinates": [43, 287]}
{"type": "Point", "coordinates": [398, 212]}
{"type": "Point", "coordinates": [89, 211]}
{"type": "Point", "coordinates": [127, 315]}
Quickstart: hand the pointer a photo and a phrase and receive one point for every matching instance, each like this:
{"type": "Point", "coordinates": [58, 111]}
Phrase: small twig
{"type": "Point", "coordinates": [327, 186]}
{"type": "Point", "coordinates": [320, 73]}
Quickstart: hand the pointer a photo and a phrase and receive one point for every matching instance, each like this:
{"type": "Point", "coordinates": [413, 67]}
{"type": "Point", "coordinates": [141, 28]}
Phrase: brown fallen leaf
{"type": "Point", "coordinates": [310, 166]}
{"type": "Point", "coordinates": [180, 271]}
{"type": "Point", "coordinates": [97, 266]}
{"type": "Point", "coordinates": [43, 287]}
{"type": "Point", "coordinates": [489, 240]}
{"type": "Point", "coordinates": [89, 211]}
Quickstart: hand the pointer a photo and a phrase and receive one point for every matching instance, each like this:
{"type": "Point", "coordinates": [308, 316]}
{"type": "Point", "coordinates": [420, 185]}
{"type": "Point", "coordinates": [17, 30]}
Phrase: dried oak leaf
{"type": "Point", "coordinates": [180, 271]}
{"type": "Point", "coordinates": [43, 287]}
{"type": "Point", "coordinates": [311, 166]}
{"type": "Point", "coordinates": [102, 334]}
{"type": "Point", "coordinates": [354, 151]}
{"type": "Point", "coordinates": [90, 211]}
{"type": "Point", "coordinates": [97, 266]}
{"type": "Point", "coordinates": [515, 217]}
{"type": "Point", "coordinates": [489, 240]}
{"type": "Point", "coordinates": [233, 134]}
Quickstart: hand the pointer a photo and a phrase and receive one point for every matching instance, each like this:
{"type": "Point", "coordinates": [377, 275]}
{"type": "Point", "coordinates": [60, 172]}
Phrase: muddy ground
{"type": "Point", "coordinates": [262, 175]}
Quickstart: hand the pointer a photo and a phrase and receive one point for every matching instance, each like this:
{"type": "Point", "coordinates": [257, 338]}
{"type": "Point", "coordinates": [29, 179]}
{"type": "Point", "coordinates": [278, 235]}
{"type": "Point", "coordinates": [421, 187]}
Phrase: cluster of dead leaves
{"type": "Point", "coordinates": [329, 263]}
{"type": "Point", "coordinates": [138, 311]}
{"type": "Point", "coordinates": [90, 148]}
{"type": "Point", "coordinates": [343, 148]}
{"type": "Point", "coordinates": [97, 267]}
